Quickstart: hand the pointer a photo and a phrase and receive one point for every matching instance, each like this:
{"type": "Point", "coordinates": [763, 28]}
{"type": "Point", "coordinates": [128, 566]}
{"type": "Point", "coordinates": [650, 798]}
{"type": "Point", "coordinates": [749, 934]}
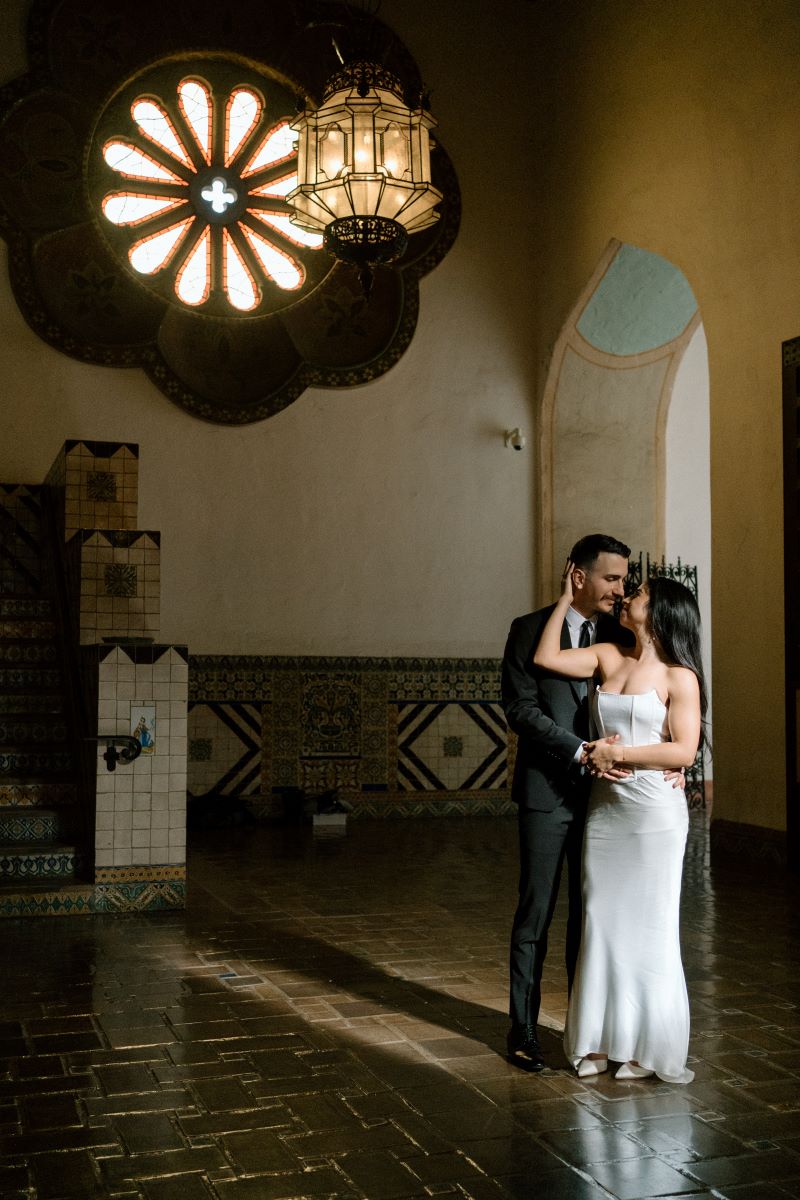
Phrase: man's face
{"type": "Point", "coordinates": [598, 589]}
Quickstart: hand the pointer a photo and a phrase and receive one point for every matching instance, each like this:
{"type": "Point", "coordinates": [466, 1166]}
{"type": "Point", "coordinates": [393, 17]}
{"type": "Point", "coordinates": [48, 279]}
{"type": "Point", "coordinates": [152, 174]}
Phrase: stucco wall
{"type": "Point", "coordinates": [387, 519]}
{"type": "Point", "coordinates": [390, 519]}
{"type": "Point", "coordinates": [688, 492]}
{"type": "Point", "coordinates": [676, 129]}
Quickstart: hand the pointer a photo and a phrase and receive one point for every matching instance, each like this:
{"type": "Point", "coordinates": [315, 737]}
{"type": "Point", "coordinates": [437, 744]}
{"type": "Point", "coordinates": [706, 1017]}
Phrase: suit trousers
{"type": "Point", "coordinates": [545, 840]}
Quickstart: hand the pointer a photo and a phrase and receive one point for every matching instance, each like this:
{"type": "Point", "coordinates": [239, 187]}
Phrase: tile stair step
{"type": "Point", "coordinates": [27, 704]}
{"type": "Point", "coordinates": [24, 862]}
{"type": "Point", "coordinates": [37, 793]}
{"type": "Point", "coordinates": [22, 826]}
{"type": "Point", "coordinates": [18, 731]}
{"type": "Point", "coordinates": [49, 760]}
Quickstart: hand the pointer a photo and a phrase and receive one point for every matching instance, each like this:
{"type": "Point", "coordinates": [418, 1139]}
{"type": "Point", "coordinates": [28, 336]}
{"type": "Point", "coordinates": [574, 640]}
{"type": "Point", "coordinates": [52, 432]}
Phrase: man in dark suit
{"type": "Point", "coordinates": [550, 717]}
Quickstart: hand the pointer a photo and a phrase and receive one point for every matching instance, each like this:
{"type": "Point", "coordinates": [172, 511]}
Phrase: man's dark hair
{"type": "Point", "coordinates": [584, 553]}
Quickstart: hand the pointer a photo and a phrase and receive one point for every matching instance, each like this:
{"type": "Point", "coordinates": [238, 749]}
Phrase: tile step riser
{"type": "Point", "coordinates": [18, 630]}
{"type": "Point", "coordinates": [30, 826]}
{"type": "Point", "coordinates": [36, 795]}
{"type": "Point", "coordinates": [30, 864]}
{"type": "Point", "coordinates": [15, 733]}
{"type": "Point", "coordinates": [20, 705]}
{"type": "Point", "coordinates": [27, 762]}
{"type": "Point", "coordinates": [27, 654]}
{"type": "Point", "coordinates": [46, 679]}
{"type": "Point", "coordinates": [24, 609]}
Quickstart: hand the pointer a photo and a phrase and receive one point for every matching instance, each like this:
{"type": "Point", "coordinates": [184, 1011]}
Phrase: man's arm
{"type": "Point", "coordinates": [521, 702]}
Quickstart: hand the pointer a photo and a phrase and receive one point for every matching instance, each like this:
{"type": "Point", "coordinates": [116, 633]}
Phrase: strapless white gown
{"type": "Point", "coordinates": [629, 996]}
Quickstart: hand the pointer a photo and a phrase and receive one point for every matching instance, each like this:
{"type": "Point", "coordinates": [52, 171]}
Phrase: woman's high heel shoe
{"type": "Point", "coordinates": [592, 1066]}
{"type": "Point", "coordinates": [630, 1070]}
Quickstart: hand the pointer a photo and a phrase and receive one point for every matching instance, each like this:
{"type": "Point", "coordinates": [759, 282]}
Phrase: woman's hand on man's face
{"type": "Point", "coordinates": [567, 588]}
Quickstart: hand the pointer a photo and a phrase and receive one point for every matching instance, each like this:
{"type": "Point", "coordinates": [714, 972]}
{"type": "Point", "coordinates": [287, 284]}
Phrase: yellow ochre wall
{"type": "Point", "coordinates": [390, 519]}
{"type": "Point", "coordinates": [676, 127]}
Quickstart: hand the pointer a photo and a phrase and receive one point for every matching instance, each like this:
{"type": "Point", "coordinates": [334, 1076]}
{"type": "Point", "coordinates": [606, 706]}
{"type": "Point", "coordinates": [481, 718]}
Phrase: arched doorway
{"type": "Point", "coordinates": [624, 437]}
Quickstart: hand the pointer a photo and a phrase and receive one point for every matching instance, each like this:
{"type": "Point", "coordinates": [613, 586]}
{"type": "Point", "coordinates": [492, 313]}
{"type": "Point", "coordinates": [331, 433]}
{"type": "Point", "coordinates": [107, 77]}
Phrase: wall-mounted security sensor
{"type": "Point", "coordinates": [514, 439]}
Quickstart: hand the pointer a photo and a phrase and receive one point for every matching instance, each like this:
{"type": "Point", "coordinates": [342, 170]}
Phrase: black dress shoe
{"type": "Point", "coordinates": [523, 1048]}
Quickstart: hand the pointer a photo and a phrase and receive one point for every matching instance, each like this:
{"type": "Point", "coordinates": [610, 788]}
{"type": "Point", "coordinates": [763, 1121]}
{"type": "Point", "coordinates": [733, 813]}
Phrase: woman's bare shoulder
{"type": "Point", "coordinates": [682, 682]}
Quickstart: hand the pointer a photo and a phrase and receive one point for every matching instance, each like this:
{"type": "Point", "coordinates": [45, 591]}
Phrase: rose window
{"type": "Point", "coordinates": [198, 203]}
{"type": "Point", "coordinates": [145, 162]}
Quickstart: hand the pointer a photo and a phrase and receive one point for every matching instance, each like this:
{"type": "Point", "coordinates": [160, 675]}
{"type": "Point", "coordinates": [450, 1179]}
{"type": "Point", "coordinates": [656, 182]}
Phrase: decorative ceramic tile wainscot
{"type": "Point", "coordinates": [393, 736]}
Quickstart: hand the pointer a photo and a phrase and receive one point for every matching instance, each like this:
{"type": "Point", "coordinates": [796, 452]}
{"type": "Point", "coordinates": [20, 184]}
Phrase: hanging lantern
{"type": "Point", "coordinates": [363, 169]}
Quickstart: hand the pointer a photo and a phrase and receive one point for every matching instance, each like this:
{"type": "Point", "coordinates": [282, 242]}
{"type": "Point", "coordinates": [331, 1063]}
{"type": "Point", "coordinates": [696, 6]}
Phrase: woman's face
{"type": "Point", "coordinates": [635, 609]}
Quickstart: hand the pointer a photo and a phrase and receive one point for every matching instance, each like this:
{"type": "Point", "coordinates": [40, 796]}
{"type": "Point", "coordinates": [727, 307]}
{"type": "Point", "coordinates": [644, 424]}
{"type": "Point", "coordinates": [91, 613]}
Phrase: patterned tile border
{"type": "Point", "coordinates": [416, 804]}
{"type": "Point", "coordinates": [101, 449]}
{"type": "Point", "coordinates": [144, 653]}
{"type": "Point", "coordinates": [255, 668]}
{"type": "Point", "coordinates": [146, 896]}
{"type": "Point", "coordinates": [122, 539]}
{"type": "Point", "coordinates": [170, 871]}
{"type": "Point", "coordinates": [132, 896]}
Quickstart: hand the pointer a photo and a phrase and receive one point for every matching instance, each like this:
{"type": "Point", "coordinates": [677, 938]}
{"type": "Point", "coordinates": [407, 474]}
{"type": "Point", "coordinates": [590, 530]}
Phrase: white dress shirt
{"type": "Point", "coordinates": [574, 621]}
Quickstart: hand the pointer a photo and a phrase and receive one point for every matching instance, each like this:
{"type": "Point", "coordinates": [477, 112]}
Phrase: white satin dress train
{"type": "Point", "coordinates": [629, 997]}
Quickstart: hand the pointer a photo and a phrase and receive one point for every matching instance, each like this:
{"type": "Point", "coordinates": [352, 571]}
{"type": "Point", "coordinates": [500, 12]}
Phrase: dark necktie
{"type": "Point", "coordinates": [584, 639]}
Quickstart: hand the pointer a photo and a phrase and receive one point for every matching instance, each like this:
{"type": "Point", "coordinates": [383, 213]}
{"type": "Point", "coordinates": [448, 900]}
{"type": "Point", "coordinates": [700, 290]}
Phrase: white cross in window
{"type": "Point", "coordinates": [219, 195]}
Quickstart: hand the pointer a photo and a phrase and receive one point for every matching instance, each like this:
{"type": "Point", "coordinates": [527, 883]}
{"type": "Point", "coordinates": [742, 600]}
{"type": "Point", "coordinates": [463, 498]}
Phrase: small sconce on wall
{"type": "Point", "coordinates": [514, 438]}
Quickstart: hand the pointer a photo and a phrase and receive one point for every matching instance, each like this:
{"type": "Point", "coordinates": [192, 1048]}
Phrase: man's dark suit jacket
{"type": "Point", "coordinates": [549, 714]}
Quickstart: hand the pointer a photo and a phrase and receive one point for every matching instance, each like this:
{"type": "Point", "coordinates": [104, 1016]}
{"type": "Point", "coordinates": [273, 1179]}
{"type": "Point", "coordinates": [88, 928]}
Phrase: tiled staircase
{"type": "Point", "coordinates": [41, 833]}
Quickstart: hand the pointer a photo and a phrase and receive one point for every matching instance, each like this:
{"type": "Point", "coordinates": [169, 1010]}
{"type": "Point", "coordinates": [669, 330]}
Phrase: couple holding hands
{"type": "Point", "coordinates": [614, 807]}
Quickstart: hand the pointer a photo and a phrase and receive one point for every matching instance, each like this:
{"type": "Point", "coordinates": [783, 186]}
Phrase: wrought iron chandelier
{"type": "Point", "coordinates": [363, 168]}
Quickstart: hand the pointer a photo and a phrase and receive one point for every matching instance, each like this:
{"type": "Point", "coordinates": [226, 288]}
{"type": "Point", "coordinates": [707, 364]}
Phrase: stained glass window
{"type": "Point", "coordinates": [202, 186]}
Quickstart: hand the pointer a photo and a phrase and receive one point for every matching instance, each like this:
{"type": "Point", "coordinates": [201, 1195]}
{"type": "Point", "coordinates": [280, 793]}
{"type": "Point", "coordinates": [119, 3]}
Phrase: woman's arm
{"type": "Point", "coordinates": [684, 731]}
{"type": "Point", "coordinates": [527, 714]}
{"type": "Point", "coordinates": [576, 664]}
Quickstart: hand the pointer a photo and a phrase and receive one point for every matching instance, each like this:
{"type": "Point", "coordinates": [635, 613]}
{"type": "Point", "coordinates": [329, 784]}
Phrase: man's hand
{"type": "Point", "coordinates": [600, 756]}
{"type": "Point", "coordinates": [676, 778]}
{"type": "Point", "coordinates": [614, 774]}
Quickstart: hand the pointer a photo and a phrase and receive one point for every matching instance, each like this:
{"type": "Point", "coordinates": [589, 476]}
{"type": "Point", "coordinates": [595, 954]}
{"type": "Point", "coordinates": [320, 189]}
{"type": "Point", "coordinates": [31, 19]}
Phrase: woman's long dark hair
{"type": "Point", "coordinates": [674, 619]}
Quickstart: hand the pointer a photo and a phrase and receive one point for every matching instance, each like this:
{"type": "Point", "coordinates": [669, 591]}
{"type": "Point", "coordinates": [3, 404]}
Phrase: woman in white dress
{"type": "Point", "coordinates": [628, 1002]}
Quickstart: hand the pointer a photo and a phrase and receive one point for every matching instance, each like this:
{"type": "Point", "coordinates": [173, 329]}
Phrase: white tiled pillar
{"type": "Point", "coordinates": [141, 806]}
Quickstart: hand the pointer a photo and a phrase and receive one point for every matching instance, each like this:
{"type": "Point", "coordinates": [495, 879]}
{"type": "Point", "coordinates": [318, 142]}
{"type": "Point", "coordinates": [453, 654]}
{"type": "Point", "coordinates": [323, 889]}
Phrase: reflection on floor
{"type": "Point", "coordinates": [327, 1020]}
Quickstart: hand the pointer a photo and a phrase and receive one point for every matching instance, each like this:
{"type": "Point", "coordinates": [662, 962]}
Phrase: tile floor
{"type": "Point", "coordinates": [326, 1019]}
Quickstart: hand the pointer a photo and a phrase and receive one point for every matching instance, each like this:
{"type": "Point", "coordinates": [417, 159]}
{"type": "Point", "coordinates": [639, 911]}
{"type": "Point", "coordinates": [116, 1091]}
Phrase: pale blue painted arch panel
{"type": "Point", "coordinates": [641, 302]}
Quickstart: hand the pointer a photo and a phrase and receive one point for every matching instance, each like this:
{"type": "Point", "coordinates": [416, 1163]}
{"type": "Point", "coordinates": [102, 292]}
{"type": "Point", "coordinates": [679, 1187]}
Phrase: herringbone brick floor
{"type": "Point", "coordinates": [327, 1019]}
